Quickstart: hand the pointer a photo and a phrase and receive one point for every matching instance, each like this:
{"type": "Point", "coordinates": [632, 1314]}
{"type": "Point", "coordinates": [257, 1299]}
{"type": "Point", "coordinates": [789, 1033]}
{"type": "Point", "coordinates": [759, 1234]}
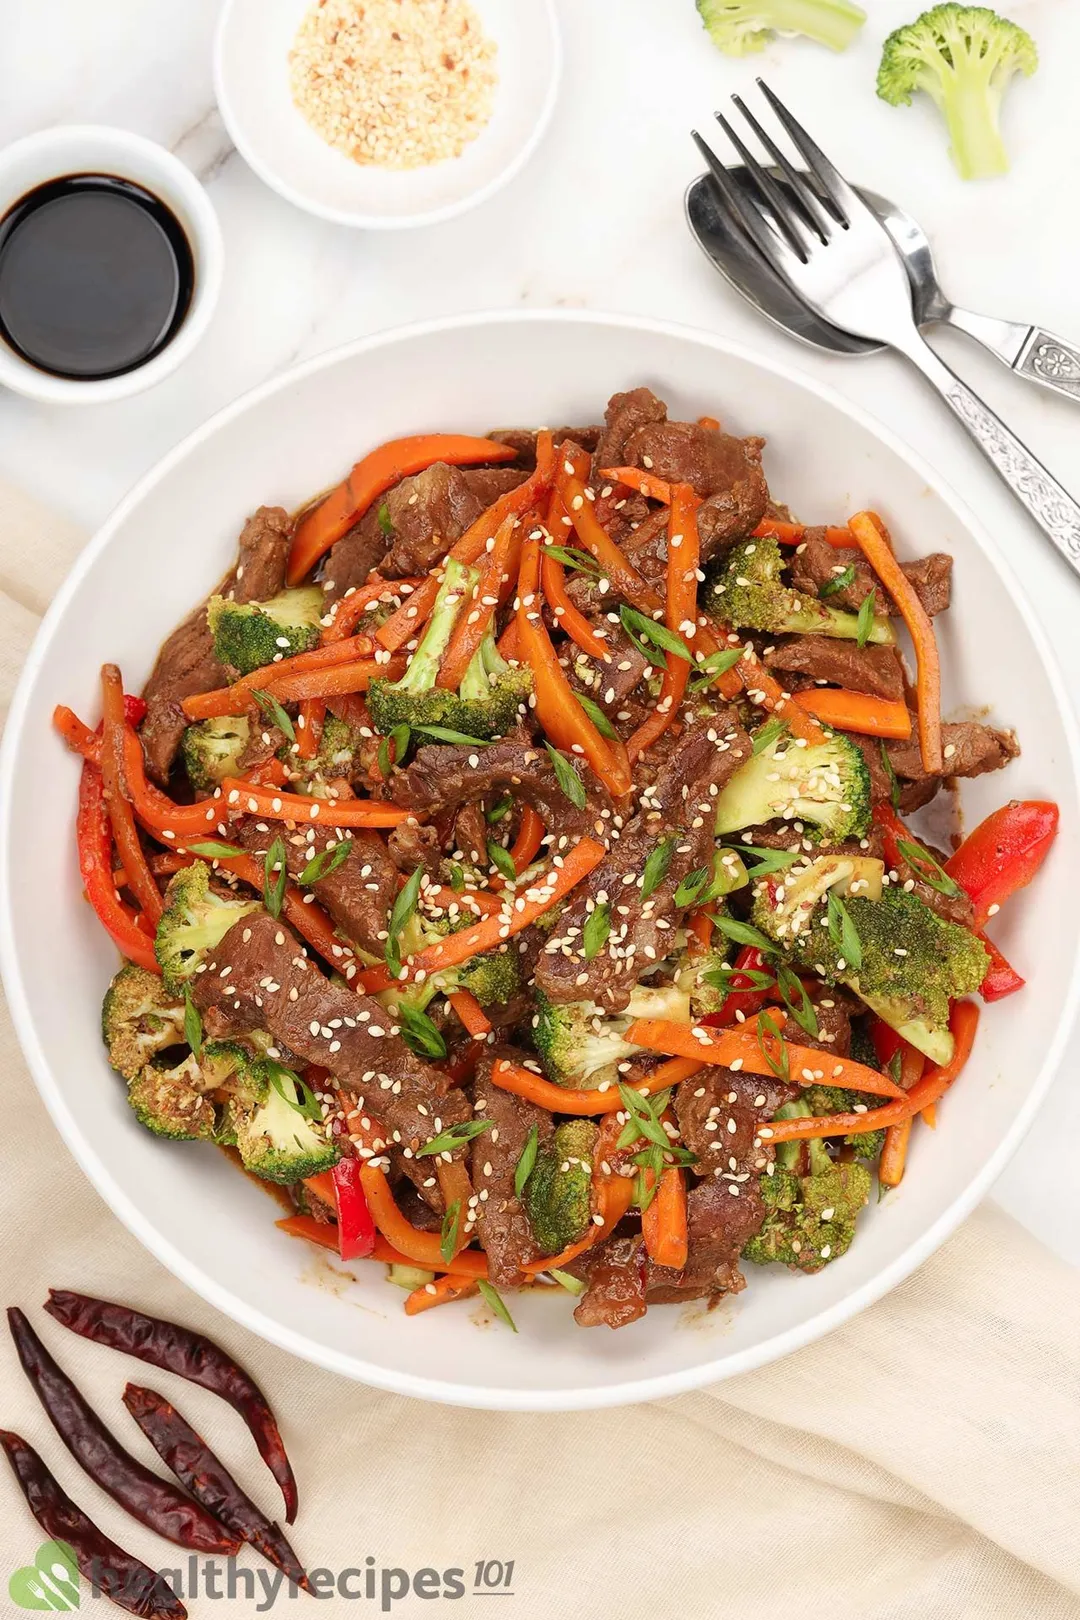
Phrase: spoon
{"type": "Point", "coordinates": [1031, 352]}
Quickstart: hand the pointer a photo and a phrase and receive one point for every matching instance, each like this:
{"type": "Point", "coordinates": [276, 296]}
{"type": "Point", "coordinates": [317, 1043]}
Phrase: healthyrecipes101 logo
{"type": "Point", "coordinates": [52, 1582]}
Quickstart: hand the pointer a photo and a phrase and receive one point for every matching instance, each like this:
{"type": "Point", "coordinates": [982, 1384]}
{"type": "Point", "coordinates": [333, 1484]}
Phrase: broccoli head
{"type": "Point", "coordinates": [692, 975]}
{"type": "Point", "coordinates": [809, 1220]}
{"type": "Point", "coordinates": [826, 786]}
{"type": "Point", "coordinates": [964, 57]}
{"type": "Point", "coordinates": [912, 962]}
{"type": "Point", "coordinates": [173, 1102]}
{"type": "Point", "coordinates": [739, 27]}
{"type": "Point", "coordinates": [579, 1044]}
{"type": "Point", "coordinates": [557, 1194]}
{"type": "Point", "coordinates": [139, 1019]}
{"type": "Point", "coordinates": [835, 1100]}
{"type": "Point", "coordinates": [249, 635]}
{"type": "Point", "coordinates": [491, 693]}
{"type": "Point", "coordinates": [276, 1138]}
{"type": "Point", "coordinates": [212, 750]}
{"type": "Point", "coordinates": [494, 977]}
{"type": "Point", "coordinates": [195, 920]}
{"type": "Point", "coordinates": [748, 591]}
{"type": "Point", "coordinates": [337, 757]}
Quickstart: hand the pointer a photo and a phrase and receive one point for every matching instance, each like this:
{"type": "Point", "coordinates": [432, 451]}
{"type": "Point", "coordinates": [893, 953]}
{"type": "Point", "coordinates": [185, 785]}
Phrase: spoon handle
{"type": "Point", "coordinates": [1052, 507]}
{"type": "Point", "coordinates": [1030, 351]}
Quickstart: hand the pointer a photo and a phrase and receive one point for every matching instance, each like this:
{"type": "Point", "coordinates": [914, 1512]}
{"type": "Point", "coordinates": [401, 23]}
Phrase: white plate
{"type": "Point", "coordinates": [175, 534]}
{"type": "Point", "coordinates": [251, 82]}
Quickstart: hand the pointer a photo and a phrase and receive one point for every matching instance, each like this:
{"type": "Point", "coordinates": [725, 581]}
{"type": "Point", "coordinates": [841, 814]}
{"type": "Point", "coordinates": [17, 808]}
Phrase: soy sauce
{"type": "Point", "coordinates": [96, 276]}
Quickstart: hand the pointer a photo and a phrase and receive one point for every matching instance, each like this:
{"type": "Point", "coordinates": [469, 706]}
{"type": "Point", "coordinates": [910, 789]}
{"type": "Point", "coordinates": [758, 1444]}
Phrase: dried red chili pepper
{"type": "Point", "coordinates": [124, 1579]}
{"type": "Point", "coordinates": [153, 1501]}
{"type": "Point", "coordinates": [189, 1355]}
{"type": "Point", "coordinates": [208, 1480]}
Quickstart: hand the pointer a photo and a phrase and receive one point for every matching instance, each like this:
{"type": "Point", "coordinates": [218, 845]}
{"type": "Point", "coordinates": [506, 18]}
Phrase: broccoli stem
{"type": "Point", "coordinates": [970, 107]}
{"type": "Point", "coordinates": [424, 663]}
{"type": "Point", "coordinates": [834, 23]}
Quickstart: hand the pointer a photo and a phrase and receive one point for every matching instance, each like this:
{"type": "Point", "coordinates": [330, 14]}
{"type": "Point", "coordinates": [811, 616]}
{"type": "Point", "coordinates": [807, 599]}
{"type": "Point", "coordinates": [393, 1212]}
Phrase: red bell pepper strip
{"type": "Point", "coordinates": [371, 477]}
{"type": "Point", "coordinates": [94, 839]}
{"type": "Point", "coordinates": [80, 739]}
{"type": "Point", "coordinates": [1004, 853]}
{"type": "Point", "coordinates": [356, 1229]}
{"type": "Point", "coordinates": [744, 997]}
{"type": "Point", "coordinates": [1002, 978]}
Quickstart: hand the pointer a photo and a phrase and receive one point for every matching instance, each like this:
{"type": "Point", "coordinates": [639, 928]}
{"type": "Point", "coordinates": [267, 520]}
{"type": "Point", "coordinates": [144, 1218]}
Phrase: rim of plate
{"type": "Point", "coordinates": [384, 222]}
{"type": "Point", "coordinates": [629, 1391]}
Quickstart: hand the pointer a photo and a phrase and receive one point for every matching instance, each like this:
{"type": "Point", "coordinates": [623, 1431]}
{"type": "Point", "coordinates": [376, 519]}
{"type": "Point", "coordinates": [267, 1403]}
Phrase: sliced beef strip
{"type": "Point", "coordinates": [834, 1024]}
{"type": "Point", "coordinates": [680, 804]}
{"type": "Point", "coordinates": [412, 844]}
{"type": "Point", "coordinates": [609, 684]}
{"type": "Point", "coordinates": [431, 510]}
{"type": "Point", "coordinates": [523, 440]}
{"type": "Point", "coordinates": [970, 749]}
{"type": "Point", "coordinates": [870, 749]}
{"type": "Point", "coordinates": [872, 669]}
{"type": "Point", "coordinates": [815, 562]}
{"type": "Point", "coordinates": [625, 414]}
{"type": "Point", "coordinates": [503, 1225]}
{"type": "Point", "coordinates": [356, 555]}
{"type": "Point", "coordinates": [471, 833]}
{"type": "Point", "coordinates": [709, 1103]}
{"type": "Point", "coordinates": [443, 776]}
{"type": "Point", "coordinates": [721, 1217]}
{"type": "Point", "coordinates": [614, 1273]}
{"type": "Point", "coordinates": [724, 470]}
{"type": "Point", "coordinates": [956, 908]}
{"type": "Point", "coordinates": [358, 895]}
{"type": "Point", "coordinates": [260, 978]}
{"type": "Point", "coordinates": [186, 664]}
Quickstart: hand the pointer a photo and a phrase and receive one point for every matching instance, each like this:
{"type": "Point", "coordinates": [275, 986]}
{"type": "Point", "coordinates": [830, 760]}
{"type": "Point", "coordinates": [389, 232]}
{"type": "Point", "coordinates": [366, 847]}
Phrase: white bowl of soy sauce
{"type": "Point", "coordinates": [110, 264]}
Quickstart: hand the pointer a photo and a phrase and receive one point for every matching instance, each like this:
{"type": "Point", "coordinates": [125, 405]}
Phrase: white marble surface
{"type": "Point", "coordinates": [594, 221]}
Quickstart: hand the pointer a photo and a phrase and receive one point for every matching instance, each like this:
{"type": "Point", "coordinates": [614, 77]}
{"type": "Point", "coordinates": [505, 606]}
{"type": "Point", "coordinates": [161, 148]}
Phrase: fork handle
{"type": "Point", "coordinates": [1052, 507]}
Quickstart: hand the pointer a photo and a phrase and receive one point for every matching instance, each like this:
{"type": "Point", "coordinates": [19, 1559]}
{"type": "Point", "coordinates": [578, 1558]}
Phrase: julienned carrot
{"type": "Point", "coordinates": [472, 1015]}
{"type": "Point", "coordinates": [410, 618]}
{"type": "Point", "coordinates": [857, 711]}
{"type": "Point", "coordinates": [335, 681]}
{"type": "Point", "coordinates": [560, 714]}
{"type": "Point", "coordinates": [563, 1100]}
{"type": "Point", "coordinates": [646, 483]}
{"type": "Point", "coordinates": [349, 609]}
{"type": "Point", "coordinates": [680, 612]}
{"type": "Point", "coordinates": [553, 583]}
{"type": "Point", "coordinates": [208, 705]}
{"type": "Point", "coordinates": [893, 1159]}
{"type": "Point", "coordinates": [663, 1225]}
{"type": "Point", "coordinates": [160, 815]}
{"type": "Point", "coordinates": [508, 643]}
{"type": "Point", "coordinates": [309, 726]}
{"type": "Point", "coordinates": [699, 926]}
{"type": "Point", "coordinates": [422, 1248]}
{"type": "Point", "coordinates": [792, 534]}
{"type": "Point", "coordinates": [873, 542]}
{"type": "Point", "coordinates": [472, 624]}
{"type": "Point", "coordinates": [762, 688]}
{"type": "Point", "coordinates": [806, 1065]}
{"type": "Point", "coordinates": [478, 901]}
{"type": "Point", "coordinates": [440, 1292]}
{"type": "Point", "coordinates": [530, 835]}
{"type": "Point", "coordinates": [239, 798]}
{"type": "Point", "coordinates": [324, 1233]}
{"type": "Point", "coordinates": [934, 1084]}
{"type": "Point", "coordinates": [371, 477]}
{"type": "Point", "coordinates": [125, 833]}
{"type": "Point", "coordinates": [573, 470]}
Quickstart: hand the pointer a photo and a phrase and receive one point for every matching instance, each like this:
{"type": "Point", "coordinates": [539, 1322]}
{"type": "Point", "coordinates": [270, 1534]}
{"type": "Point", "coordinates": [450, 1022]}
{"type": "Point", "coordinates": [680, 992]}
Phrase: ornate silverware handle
{"type": "Point", "coordinates": [1052, 507]}
{"type": "Point", "coordinates": [1051, 361]}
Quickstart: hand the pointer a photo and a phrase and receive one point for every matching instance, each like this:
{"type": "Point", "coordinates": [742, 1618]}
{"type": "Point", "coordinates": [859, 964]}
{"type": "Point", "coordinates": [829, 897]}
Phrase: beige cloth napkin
{"type": "Point", "coordinates": [923, 1461]}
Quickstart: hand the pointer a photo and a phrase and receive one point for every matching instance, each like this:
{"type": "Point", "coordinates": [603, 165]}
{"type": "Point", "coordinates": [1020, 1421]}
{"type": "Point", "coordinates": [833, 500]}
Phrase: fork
{"type": "Point", "coordinates": [837, 257]}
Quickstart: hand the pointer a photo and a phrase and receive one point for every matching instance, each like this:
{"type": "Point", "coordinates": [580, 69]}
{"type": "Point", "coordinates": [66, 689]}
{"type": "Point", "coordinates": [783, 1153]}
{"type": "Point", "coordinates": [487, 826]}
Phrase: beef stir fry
{"type": "Point", "coordinates": [510, 861]}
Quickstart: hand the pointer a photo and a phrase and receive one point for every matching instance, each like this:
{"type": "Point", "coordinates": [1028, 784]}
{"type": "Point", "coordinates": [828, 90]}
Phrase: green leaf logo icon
{"type": "Point", "coordinates": [50, 1582]}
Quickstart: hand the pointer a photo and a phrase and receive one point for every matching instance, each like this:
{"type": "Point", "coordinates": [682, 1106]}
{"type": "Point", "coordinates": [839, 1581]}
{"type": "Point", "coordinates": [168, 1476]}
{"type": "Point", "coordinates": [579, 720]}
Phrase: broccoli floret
{"type": "Point", "coordinates": [748, 590]}
{"type": "Point", "coordinates": [691, 975]}
{"type": "Point", "coordinates": [195, 920]}
{"type": "Point", "coordinates": [274, 1138]}
{"type": "Point", "coordinates": [494, 978]}
{"type": "Point", "coordinates": [139, 1019]}
{"type": "Point", "coordinates": [580, 1044]}
{"type": "Point", "coordinates": [556, 1195]}
{"type": "Point", "coordinates": [913, 962]}
{"type": "Point", "coordinates": [835, 1100]}
{"type": "Point", "coordinates": [339, 746]}
{"type": "Point", "coordinates": [249, 635]}
{"type": "Point", "coordinates": [490, 695]}
{"type": "Point", "coordinates": [739, 27]}
{"type": "Point", "coordinates": [964, 57]}
{"type": "Point", "coordinates": [826, 786]}
{"type": "Point", "coordinates": [212, 750]}
{"type": "Point", "coordinates": [172, 1102]}
{"type": "Point", "coordinates": [809, 1220]}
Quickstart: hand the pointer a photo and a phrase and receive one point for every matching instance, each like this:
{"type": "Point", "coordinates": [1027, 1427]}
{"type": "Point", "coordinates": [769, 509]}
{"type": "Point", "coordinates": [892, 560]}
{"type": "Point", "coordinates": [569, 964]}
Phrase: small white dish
{"type": "Point", "coordinates": [251, 81]}
{"type": "Point", "coordinates": [163, 548]}
{"type": "Point", "coordinates": [70, 149]}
